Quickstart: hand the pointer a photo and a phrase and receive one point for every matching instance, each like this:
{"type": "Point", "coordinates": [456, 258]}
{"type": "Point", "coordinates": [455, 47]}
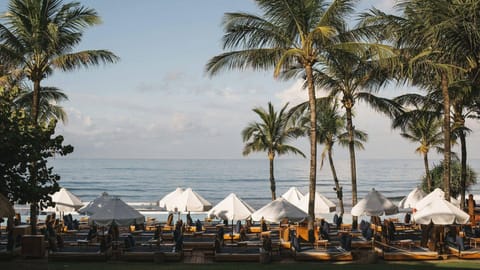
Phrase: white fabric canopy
{"type": "Point", "coordinates": [374, 204]}
{"type": "Point", "coordinates": [440, 212]}
{"type": "Point", "coordinates": [118, 212]}
{"type": "Point", "coordinates": [170, 201]}
{"type": "Point", "coordinates": [322, 204]}
{"type": "Point", "coordinates": [294, 196]}
{"type": "Point", "coordinates": [191, 201]}
{"type": "Point", "coordinates": [231, 208]}
{"type": "Point", "coordinates": [412, 198]}
{"type": "Point", "coordinates": [277, 210]}
{"type": "Point", "coordinates": [96, 204]}
{"type": "Point", "coordinates": [434, 196]}
{"type": "Point", "coordinates": [66, 201]}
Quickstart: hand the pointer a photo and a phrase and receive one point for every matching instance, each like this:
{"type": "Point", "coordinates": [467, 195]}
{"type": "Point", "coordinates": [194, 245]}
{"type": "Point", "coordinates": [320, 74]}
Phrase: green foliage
{"type": "Point", "coordinates": [455, 188]}
{"type": "Point", "coordinates": [24, 151]}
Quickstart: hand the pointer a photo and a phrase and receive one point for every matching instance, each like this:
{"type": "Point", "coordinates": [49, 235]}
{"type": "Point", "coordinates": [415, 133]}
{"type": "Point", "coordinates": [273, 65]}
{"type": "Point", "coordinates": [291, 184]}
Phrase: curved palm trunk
{"type": "Point", "coordinates": [427, 172]}
{"type": "Point", "coordinates": [463, 180]}
{"type": "Point", "coordinates": [353, 165]}
{"type": "Point", "coordinates": [447, 137]}
{"type": "Point", "coordinates": [313, 146]}
{"type": "Point", "coordinates": [337, 183]}
{"type": "Point", "coordinates": [272, 178]}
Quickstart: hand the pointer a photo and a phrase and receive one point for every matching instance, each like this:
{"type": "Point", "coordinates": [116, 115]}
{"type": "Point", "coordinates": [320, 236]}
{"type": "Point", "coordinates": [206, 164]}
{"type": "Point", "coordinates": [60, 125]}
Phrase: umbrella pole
{"type": "Point", "coordinates": [231, 234]}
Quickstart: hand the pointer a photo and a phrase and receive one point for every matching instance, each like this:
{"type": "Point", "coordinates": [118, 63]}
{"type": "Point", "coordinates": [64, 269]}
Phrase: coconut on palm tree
{"type": "Point", "coordinates": [271, 135]}
{"type": "Point", "coordinates": [38, 37]}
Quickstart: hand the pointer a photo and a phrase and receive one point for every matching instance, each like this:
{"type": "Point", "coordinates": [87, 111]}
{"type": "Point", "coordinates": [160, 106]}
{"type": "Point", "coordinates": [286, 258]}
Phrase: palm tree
{"type": "Point", "coordinates": [330, 129]}
{"type": "Point", "coordinates": [271, 135]}
{"type": "Point", "coordinates": [424, 127]}
{"type": "Point", "coordinates": [440, 43]}
{"type": "Point", "coordinates": [49, 109]}
{"type": "Point", "coordinates": [290, 33]}
{"type": "Point", "coordinates": [39, 36]}
{"type": "Point", "coordinates": [354, 77]}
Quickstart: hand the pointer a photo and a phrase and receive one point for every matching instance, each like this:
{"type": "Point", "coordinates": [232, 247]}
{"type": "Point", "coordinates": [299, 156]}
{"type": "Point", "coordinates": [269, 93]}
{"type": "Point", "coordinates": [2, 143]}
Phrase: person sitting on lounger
{"type": "Point", "coordinates": [198, 226]}
{"type": "Point", "coordinates": [263, 225]}
{"type": "Point", "coordinates": [92, 233]}
{"type": "Point", "coordinates": [243, 234]}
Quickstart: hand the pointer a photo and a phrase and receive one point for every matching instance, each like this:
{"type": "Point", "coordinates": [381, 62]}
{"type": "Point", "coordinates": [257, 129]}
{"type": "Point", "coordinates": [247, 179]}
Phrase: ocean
{"type": "Point", "coordinates": [138, 180]}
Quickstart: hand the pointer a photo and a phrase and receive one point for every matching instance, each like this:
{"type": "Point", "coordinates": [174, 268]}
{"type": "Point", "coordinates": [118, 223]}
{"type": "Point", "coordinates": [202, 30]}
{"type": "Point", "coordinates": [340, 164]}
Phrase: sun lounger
{"type": "Point", "coordinates": [331, 253]}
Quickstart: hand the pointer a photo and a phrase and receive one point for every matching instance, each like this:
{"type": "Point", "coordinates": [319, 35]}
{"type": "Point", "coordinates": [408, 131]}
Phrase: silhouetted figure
{"type": "Point", "coordinates": [189, 219]}
{"type": "Point", "coordinates": [407, 218]}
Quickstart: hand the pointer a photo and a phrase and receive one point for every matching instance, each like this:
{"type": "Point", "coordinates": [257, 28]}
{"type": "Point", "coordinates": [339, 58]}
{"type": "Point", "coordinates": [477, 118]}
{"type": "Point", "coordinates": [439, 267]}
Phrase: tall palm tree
{"type": "Point", "coordinates": [423, 127]}
{"type": "Point", "coordinates": [440, 42]}
{"type": "Point", "coordinates": [354, 77]}
{"type": "Point", "coordinates": [39, 36]}
{"type": "Point", "coordinates": [330, 129]}
{"type": "Point", "coordinates": [289, 33]}
{"type": "Point", "coordinates": [271, 135]}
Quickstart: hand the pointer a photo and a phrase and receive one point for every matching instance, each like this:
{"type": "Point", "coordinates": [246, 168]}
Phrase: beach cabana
{"type": "Point", "coordinates": [322, 204]}
{"type": "Point", "coordinates": [412, 198]}
{"type": "Point", "coordinates": [117, 212]}
{"type": "Point", "coordinates": [95, 205]}
{"type": "Point", "coordinates": [66, 201]}
{"type": "Point", "coordinates": [374, 204]}
{"type": "Point", "coordinates": [434, 196]}
{"type": "Point", "coordinates": [294, 196]}
{"type": "Point", "coordinates": [440, 212]}
{"type": "Point", "coordinates": [192, 201]}
{"type": "Point", "coordinates": [231, 208]}
{"type": "Point", "coordinates": [6, 208]}
{"type": "Point", "coordinates": [170, 201]}
{"type": "Point", "coordinates": [279, 209]}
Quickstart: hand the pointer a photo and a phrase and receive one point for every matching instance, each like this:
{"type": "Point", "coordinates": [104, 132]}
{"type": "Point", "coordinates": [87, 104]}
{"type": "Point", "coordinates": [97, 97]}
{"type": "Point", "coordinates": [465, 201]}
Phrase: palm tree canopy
{"type": "Point", "coordinates": [272, 133]}
{"type": "Point", "coordinates": [40, 35]}
{"type": "Point", "coordinates": [290, 32]}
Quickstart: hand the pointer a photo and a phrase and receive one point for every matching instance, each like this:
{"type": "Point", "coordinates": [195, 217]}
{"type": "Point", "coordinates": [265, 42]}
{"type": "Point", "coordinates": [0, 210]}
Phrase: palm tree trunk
{"type": "Point", "coordinates": [353, 165]}
{"type": "Point", "coordinates": [463, 180]}
{"type": "Point", "coordinates": [272, 178]}
{"type": "Point", "coordinates": [313, 145]}
{"type": "Point", "coordinates": [447, 137]}
{"type": "Point", "coordinates": [427, 173]}
{"type": "Point", "coordinates": [36, 100]}
{"type": "Point", "coordinates": [338, 188]}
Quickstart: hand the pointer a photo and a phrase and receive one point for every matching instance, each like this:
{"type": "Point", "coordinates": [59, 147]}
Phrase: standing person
{"type": "Point", "coordinates": [189, 219]}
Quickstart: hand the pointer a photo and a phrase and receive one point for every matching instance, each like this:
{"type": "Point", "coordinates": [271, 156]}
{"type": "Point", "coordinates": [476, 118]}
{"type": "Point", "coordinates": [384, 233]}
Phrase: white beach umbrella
{"type": "Point", "coordinates": [96, 204]}
{"type": "Point", "coordinates": [440, 212]}
{"type": "Point", "coordinates": [433, 196]}
{"type": "Point", "coordinates": [66, 201]}
{"type": "Point", "coordinates": [412, 198]}
{"type": "Point", "coordinates": [294, 196]}
{"type": "Point", "coordinates": [374, 204]}
{"type": "Point", "coordinates": [231, 208]}
{"type": "Point", "coordinates": [117, 212]}
{"type": "Point", "coordinates": [171, 200]}
{"type": "Point", "coordinates": [192, 201]}
{"type": "Point", "coordinates": [279, 209]}
{"type": "Point", "coordinates": [322, 204]}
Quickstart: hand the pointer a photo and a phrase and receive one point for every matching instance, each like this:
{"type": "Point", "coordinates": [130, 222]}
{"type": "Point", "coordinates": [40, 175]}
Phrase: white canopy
{"type": "Point", "coordinates": [277, 210]}
{"type": "Point", "coordinates": [374, 204]}
{"type": "Point", "coordinates": [294, 196]}
{"type": "Point", "coordinates": [440, 212]}
{"type": "Point", "coordinates": [96, 204]}
{"type": "Point", "coordinates": [66, 201]}
{"type": "Point", "coordinates": [118, 212]}
{"type": "Point", "coordinates": [192, 201]}
{"type": "Point", "coordinates": [231, 208]}
{"type": "Point", "coordinates": [170, 201]}
{"type": "Point", "coordinates": [412, 198]}
{"type": "Point", "coordinates": [322, 204]}
{"type": "Point", "coordinates": [434, 196]}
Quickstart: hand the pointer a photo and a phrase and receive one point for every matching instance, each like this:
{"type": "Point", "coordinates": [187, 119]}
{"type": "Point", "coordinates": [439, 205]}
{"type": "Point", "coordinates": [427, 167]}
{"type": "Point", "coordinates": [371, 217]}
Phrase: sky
{"type": "Point", "coordinates": [157, 101]}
